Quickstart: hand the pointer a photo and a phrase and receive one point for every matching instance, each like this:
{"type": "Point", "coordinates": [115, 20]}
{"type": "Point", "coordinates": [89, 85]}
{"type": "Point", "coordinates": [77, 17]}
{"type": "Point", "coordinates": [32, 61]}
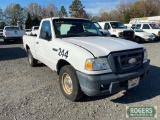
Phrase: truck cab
{"type": "Point", "coordinates": [117, 29]}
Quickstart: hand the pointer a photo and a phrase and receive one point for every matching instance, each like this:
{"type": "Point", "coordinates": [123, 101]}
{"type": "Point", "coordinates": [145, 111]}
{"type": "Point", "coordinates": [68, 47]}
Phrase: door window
{"type": "Point", "coordinates": [145, 26]}
{"type": "Point", "coordinates": [46, 29]}
{"type": "Point", "coordinates": [138, 26]}
{"type": "Point", "coordinates": [107, 26]}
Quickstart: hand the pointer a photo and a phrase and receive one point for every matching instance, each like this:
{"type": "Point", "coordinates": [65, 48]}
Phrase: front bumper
{"type": "Point", "coordinates": [149, 39]}
{"type": "Point", "coordinates": [127, 37]}
{"type": "Point", "coordinates": [96, 85]}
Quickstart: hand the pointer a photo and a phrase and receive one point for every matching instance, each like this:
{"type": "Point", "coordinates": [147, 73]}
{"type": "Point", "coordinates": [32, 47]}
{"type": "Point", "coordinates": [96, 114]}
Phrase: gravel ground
{"type": "Point", "coordinates": [33, 93]}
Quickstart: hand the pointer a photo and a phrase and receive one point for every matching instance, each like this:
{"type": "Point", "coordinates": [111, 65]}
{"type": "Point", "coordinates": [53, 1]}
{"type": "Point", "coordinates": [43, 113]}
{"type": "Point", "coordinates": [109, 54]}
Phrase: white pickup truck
{"type": "Point", "coordinates": [150, 28]}
{"type": "Point", "coordinates": [34, 30]}
{"type": "Point", "coordinates": [142, 36]}
{"type": "Point", "coordinates": [117, 29]}
{"type": "Point", "coordinates": [86, 62]}
{"type": "Point", "coordinates": [12, 33]}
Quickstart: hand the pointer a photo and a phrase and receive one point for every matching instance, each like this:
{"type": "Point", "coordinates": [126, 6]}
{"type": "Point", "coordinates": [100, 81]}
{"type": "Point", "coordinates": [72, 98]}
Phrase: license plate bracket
{"type": "Point", "coordinates": [133, 83]}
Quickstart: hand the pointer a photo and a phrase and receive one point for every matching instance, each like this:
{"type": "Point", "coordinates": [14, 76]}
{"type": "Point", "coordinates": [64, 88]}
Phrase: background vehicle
{"type": "Point", "coordinates": [28, 31]}
{"type": "Point", "coordinates": [117, 29]}
{"type": "Point", "coordinates": [86, 62]}
{"type": "Point", "coordinates": [103, 32]}
{"type": "Point", "coordinates": [12, 33]}
{"type": "Point", "coordinates": [34, 30]}
{"type": "Point", "coordinates": [150, 28]}
{"type": "Point", "coordinates": [142, 36]}
{"type": "Point", "coordinates": [1, 33]}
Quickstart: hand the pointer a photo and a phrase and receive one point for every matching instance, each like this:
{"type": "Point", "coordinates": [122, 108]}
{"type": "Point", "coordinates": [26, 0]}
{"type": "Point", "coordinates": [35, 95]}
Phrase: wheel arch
{"type": "Point", "coordinates": [61, 63]}
{"type": "Point", "coordinates": [27, 47]}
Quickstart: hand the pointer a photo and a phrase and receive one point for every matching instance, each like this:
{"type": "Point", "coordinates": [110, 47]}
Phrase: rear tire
{"type": "Point", "coordinates": [5, 40]}
{"type": "Point", "coordinates": [32, 62]}
{"type": "Point", "coordinates": [69, 83]}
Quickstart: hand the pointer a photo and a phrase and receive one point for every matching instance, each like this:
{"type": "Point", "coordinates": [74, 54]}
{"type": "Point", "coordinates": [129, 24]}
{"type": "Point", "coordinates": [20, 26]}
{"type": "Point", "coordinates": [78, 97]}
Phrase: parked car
{"type": "Point", "coordinates": [34, 30]}
{"type": "Point", "coordinates": [86, 62]}
{"type": "Point", "coordinates": [150, 28]}
{"type": "Point", "coordinates": [142, 36]}
{"type": "Point", "coordinates": [1, 32]}
{"type": "Point", "coordinates": [12, 33]}
{"type": "Point", "coordinates": [28, 31]}
{"type": "Point", "coordinates": [117, 29]}
{"type": "Point", "coordinates": [103, 32]}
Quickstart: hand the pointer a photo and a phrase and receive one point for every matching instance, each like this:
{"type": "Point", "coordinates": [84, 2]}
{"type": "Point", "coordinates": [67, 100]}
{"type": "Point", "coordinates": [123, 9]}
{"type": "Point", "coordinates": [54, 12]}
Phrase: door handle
{"type": "Point", "coordinates": [37, 42]}
{"type": "Point", "coordinates": [54, 49]}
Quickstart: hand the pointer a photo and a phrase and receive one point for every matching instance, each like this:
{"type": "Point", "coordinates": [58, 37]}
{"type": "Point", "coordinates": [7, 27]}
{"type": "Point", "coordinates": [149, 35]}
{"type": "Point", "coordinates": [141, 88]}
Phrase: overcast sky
{"type": "Point", "coordinates": [91, 6]}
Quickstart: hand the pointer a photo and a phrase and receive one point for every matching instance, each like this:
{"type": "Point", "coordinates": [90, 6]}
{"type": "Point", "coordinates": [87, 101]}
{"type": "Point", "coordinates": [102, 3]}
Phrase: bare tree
{"type": "Point", "coordinates": [35, 10]}
{"type": "Point", "coordinates": [14, 15]}
{"type": "Point", "coordinates": [49, 11]}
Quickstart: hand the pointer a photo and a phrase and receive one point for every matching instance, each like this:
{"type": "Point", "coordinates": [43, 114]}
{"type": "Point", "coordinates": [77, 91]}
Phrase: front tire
{"type": "Point", "coordinates": [137, 39]}
{"type": "Point", "coordinates": [31, 60]}
{"type": "Point", "coordinates": [69, 83]}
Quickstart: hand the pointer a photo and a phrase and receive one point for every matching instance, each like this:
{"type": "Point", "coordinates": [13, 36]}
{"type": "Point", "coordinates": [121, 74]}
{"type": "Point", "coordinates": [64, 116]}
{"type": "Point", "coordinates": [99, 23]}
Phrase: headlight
{"type": "Point", "coordinates": [97, 64]}
{"type": "Point", "coordinates": [145, 56]}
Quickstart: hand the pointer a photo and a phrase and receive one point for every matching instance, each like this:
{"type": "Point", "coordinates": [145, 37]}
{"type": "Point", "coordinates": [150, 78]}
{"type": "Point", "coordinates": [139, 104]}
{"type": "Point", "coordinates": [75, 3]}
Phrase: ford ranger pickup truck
{"type": "Point", "coordinates": [86, 62]}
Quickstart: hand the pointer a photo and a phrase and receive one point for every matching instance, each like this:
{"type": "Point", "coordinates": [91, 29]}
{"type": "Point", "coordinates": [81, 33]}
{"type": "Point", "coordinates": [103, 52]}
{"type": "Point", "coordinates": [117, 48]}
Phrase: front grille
{"type": "Point", "coordinates": [128, 33]}
{"type": "Point", "coordinates": [119, 61]}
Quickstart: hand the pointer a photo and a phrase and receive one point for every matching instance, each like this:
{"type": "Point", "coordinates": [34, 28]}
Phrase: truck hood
{"type": "Point", "coordinates": [102, 46]}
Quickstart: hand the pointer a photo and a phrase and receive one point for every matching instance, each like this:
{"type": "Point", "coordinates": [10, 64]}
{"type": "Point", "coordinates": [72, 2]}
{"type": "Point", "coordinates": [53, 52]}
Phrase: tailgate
{"type": "Point", "coordinates": [15, 33]}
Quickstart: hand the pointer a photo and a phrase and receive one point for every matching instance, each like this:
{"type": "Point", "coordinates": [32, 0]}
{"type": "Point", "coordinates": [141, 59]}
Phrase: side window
{"type": "Point", "coordinates": [106, 26]}
{"type": "Point", "coordinates": [146, 26]}
{"type": "Point", "coordinates": [138, 26]}
{"type": "Point", "coordinates": [45, 32]}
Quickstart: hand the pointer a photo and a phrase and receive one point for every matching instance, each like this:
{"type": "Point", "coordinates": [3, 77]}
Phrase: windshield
{"type": "Point", "coordinates": [117, 25]}
{"type": "Point", "coordinates": [74, 28]}
{"type": "Point", "coordinates": [97, 25]}
{"type": "Point", "coordinates": [136, 29]}
{"type": "Point", "coordinates": [154, 26]}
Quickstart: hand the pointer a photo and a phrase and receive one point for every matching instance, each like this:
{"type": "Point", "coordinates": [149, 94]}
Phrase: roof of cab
{"type": "Point", "coordinates": [64, 18]}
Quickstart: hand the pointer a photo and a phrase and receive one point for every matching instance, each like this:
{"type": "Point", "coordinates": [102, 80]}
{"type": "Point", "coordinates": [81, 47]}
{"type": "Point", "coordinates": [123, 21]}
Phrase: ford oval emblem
{"type": "Point", "coordinates": [132, 61]}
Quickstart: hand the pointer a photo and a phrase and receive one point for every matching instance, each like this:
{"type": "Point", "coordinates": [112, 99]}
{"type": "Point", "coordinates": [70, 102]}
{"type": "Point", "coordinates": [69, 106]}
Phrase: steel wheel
{"type": "Point", "coordinates": [67, 83]}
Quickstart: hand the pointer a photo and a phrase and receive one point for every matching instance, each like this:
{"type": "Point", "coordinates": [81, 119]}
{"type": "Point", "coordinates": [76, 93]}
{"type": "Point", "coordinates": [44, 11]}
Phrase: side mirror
{"type": "Point", "coordinates": [45, 35]}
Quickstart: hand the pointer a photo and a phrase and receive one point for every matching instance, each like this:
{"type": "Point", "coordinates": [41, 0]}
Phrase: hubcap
{"type": "Point", "coordinates": [67, 83]}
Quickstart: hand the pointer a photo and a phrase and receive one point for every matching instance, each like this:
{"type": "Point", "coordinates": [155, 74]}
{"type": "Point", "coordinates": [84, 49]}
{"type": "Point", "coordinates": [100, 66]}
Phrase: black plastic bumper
{"type": "Point", "coordinates": [95, 85]}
